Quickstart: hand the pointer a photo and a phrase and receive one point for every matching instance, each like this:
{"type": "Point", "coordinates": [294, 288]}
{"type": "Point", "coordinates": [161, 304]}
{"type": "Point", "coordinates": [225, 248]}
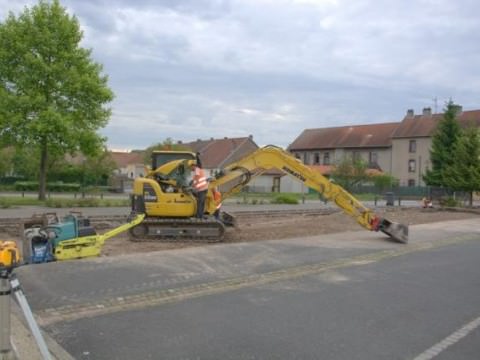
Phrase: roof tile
{"type": "Point", "coordinates": [123, 159]}
{"type": "Point", "coordinates": [371, 135]}
{"type": "Point", "coordinates": [425, 125]}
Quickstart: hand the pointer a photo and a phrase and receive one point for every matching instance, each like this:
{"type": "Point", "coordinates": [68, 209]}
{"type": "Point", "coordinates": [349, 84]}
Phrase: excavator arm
{"type": "Point", "coordinates": [240, 174]}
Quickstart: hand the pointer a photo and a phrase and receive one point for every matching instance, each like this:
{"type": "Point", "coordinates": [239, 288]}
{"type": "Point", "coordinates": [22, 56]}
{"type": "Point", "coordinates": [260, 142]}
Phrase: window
{"type": "Point", "coordinates": [372, 158]}
{"type": "Point", "coordinates": [411, 165]}
{"type": "Point", "coordinates": [326, 158]}
{"type": "Point", "coordinates": [316, 158]}
{"type": "Point", "coordinates": [411, 182]}
{"type": "Point", "coordinates": [356, 156]}
{"type": "Point", "coordinates": [305, 158]}
{"type": "Point", "coordinates": [297, 156]}
{"type": "Point", "coordinates": [412, 146]}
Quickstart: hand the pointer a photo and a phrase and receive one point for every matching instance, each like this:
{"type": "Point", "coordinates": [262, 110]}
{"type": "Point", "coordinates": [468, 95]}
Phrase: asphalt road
{"type": "Point", "coordinates": [342, 296]}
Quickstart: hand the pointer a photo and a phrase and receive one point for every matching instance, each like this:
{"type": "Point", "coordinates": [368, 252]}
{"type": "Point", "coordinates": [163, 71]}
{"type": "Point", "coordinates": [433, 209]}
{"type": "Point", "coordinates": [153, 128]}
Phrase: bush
{"type": "Point", "coordinates": [63, 187]}
{"type": "Point", "coordinates": [285, 199]}
{"type": "Point", "coordinates": [26, 186]}
{"type": "Point", "coordinates": [449, 202]}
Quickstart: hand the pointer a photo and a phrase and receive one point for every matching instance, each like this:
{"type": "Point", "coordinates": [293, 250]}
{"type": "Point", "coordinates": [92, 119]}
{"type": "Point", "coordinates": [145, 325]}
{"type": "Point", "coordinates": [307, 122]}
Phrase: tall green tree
{"type": "Point", "coordinates": [464, 173]}
{"type": "Point", "coordinates": [52, 94]}
{"type": "Point", "coordinates": [443, 144]}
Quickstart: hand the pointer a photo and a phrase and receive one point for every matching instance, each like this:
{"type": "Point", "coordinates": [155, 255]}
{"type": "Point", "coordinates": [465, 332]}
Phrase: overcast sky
{"type": "Point", "coordinates": [272, 68]}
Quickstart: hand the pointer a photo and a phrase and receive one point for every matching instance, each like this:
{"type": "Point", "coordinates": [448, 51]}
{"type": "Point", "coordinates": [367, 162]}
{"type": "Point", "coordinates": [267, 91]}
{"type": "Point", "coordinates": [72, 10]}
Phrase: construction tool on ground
{"type": "Point", "coordinates": [48, 238]}
{"type": "Point", "coordinates": [9, 260]}
{"type": "Point", "coordinates": [167, 200]}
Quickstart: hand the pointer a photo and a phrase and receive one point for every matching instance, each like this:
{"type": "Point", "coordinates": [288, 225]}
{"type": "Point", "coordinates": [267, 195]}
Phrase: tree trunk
{"type": "Point", "coordinates": [471, 199]}
{"type": "Point", "coordinates": [42, 181]}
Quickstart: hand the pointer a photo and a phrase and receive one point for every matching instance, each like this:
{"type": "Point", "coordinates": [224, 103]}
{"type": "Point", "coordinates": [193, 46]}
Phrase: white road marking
{"type": "Point", "coordinates": [449, 341]}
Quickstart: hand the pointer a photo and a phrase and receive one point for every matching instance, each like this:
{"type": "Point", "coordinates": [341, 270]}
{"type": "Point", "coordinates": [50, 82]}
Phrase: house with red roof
{"type": "Point", "coordinates": [322, 148]}
{"type": "Point", "coordinates": [326, 146]}
{"type": "Point", "coordinates": [215, 154]}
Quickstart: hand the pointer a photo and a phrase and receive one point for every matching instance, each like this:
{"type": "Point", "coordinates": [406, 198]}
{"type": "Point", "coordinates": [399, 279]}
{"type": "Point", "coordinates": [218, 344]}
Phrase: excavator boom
{"type": "Point", "coordinates": [271, 156]}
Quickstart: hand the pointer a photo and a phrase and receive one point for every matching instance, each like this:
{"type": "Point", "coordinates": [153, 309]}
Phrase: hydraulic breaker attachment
{"type": "Point", "coordinates": [398, 232]}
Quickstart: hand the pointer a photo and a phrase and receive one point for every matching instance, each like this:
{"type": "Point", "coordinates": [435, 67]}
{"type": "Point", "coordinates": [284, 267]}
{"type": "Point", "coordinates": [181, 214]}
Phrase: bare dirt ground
{"type": "Point", "coordinates": [263, 227]}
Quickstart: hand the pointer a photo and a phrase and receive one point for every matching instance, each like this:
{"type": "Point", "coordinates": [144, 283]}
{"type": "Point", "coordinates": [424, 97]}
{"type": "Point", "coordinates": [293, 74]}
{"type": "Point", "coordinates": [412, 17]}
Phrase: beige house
{"type": "Point", "coordinates": [400, 149]}
{"type": "Point", "coordinates": [412, 140]}
{"type": "Point", "coordinates": [326, 146]}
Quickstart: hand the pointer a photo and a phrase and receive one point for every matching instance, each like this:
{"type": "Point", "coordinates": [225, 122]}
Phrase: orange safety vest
{"type": "Point", "coordinates": [199, 180]}
{"type": "Point", "coordinates": [217, 196]}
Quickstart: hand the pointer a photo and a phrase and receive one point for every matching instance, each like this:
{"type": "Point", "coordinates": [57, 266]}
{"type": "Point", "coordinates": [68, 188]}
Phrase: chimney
{"type": "Point", "coordinates": [198, 140]}
{"type": "Point", "coordinates": [250, 137]}
{"type": "Point", "coordinates": [211, 139]}
{"type": "Point", "coordinates": [179, 142]}
{"type": "Point", "coordinates": [225, 138]}
{"type": "Point", "coordinates": [427, 111]}
{"type": "Point", "coordinates": [410, 113]}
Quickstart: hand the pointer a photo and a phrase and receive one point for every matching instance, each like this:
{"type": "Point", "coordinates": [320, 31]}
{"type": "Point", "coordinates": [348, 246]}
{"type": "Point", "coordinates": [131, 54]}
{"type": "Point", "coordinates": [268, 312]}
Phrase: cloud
{"type": "Point", "coordinates": [271, 68]}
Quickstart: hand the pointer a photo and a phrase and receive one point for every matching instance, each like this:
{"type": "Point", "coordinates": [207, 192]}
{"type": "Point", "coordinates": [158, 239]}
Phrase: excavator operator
{"type": "Point", "coordinates": [200, 187]}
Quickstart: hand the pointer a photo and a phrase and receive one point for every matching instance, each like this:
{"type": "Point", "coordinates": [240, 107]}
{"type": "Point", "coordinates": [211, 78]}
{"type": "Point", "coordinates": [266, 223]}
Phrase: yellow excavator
{"type": "Point", "coordinates": [169, 205]}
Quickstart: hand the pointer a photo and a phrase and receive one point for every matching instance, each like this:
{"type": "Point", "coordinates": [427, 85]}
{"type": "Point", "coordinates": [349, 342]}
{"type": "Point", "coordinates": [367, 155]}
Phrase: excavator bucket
{"type": "Point", "coordinates": [398, 232]}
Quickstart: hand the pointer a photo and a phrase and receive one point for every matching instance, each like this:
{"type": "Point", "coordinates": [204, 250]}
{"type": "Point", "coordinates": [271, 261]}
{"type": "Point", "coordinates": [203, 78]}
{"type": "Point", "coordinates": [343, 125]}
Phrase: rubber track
{"type": "Point", "coordinates": [178, 223]}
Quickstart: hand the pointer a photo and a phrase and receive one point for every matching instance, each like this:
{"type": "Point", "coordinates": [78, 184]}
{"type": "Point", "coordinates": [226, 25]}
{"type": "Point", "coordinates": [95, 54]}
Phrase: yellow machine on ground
{"type": "Point", "coordinates": [72, 237]}
{"type": "Point", "coordinates": [90, 245]}
{"type": "Point", "coordinates": [169, 204]}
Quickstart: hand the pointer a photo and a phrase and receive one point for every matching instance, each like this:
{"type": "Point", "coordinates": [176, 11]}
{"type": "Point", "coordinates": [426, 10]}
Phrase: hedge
{"type": "Point", "coordinates": [53, 186]}
{"type": "Point", "coordinates": [285, 199]}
